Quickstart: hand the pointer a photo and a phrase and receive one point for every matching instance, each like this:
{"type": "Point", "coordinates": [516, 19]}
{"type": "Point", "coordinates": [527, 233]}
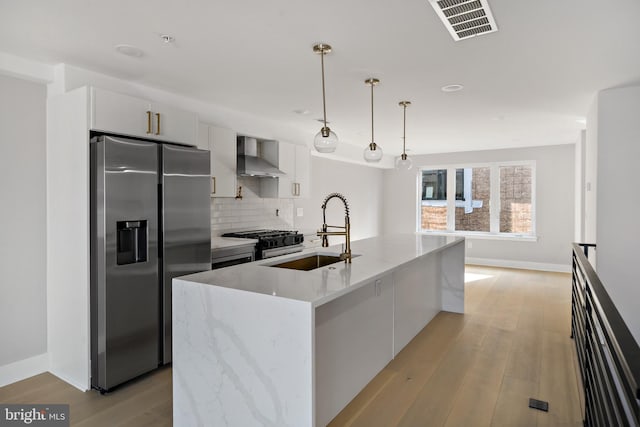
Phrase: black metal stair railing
{"type": "Point", "coordinates": [608, 354]}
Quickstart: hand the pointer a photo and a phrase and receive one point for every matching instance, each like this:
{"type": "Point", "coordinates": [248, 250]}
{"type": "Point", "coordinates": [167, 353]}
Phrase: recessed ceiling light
{"type": "Point", "coordinates": [582, 121]}
{"type": "Point", "coordinates": [452, 88]}
{"type": "Point", "coordinates": [302, 112]}
{"type": "Point", "coordinates": [127, 49]}
{"type": "Point", "coordinates": [167, 38]}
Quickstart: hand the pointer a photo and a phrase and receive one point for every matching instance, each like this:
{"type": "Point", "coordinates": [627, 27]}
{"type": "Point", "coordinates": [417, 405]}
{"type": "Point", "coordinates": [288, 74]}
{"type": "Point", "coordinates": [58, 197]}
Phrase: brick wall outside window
{"type": "Point", "coordinates": [480, 218]}
{"type": "Point", "coordinates": [515, 199]}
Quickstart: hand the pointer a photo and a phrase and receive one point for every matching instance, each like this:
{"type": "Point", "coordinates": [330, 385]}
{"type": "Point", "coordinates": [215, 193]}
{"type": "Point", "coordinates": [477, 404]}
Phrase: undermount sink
{"type": "Point", "coordinates": [309, 262]}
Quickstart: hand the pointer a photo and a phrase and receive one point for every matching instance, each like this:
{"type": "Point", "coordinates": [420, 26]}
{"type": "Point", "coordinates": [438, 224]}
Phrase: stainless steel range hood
{"type": "Point", "coordinates": [250, 161]}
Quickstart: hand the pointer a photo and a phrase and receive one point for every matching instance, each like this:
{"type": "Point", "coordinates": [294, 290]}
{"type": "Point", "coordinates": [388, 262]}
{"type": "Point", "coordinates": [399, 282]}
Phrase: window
{"type": "Point", "coordinates": [474, 213]}
{"type": "Point", "coordinates": [489, 199]}
{"type": "Point", "coordinates": [515, 199]}
{"type": "Point", "coordinates": [434, 199]}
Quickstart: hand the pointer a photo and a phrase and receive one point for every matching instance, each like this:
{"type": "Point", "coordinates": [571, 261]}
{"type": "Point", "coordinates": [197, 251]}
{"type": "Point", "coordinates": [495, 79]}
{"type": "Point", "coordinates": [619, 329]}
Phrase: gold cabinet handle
{"type": "Point", "coordinates": [213, 185]}
{"type": "Point", "coordinates": [149, 122]}
{"type": "Point", "coordinates": [157, 123]}
{"type": "Point", "coordinates": [297, 189]}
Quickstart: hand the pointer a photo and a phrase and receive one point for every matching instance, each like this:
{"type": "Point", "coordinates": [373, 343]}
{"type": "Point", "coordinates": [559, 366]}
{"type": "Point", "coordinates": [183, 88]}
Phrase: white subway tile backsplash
{"type": "Point", "coordinates": [251, 212]}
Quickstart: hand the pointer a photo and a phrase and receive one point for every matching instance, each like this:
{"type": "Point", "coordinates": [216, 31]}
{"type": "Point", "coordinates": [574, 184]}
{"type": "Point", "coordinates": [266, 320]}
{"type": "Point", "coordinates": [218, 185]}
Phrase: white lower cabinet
{"type": "Point", "coordinates": [128, 115]}
{"type": "Point", "coordinates": [222, 144]}
{"type": "Point", "coordinates": [359, 333]}
{"type": "Point", "coordinates": [417, 298]}
{"type": "Point", "coordinates": [354, 341]}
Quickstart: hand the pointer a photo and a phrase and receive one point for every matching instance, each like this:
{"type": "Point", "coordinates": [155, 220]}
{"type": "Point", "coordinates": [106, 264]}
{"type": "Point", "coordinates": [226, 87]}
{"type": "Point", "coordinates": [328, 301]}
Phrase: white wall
{"type": "Point", "coordinates": [23, 310]}
{"type": "Point", "coordinates": [554, 206]}
{"type": "Point", "coordinates": [361, 186]}
{"type": "Point", "coordinates": [579, 175]}
{"type": "Point", "coordinates": [591, 175]}
{"type": "Point", "coordinates": [618, 227]}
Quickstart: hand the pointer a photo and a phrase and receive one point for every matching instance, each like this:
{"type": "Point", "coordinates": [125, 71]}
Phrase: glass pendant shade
{"type": "Point", "coordinates": [325, 141]}
{"type": "Point", "coordinates": [373, 153]}
{"type": "Point", "coordinates": [403, 162]}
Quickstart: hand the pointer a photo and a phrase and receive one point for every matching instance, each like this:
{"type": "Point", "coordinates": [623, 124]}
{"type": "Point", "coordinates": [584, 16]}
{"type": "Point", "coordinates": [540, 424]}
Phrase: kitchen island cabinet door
{"type": "Point", "coordinates": [417, 298]}
{"type": "Point", "coordinates": [354, 341]}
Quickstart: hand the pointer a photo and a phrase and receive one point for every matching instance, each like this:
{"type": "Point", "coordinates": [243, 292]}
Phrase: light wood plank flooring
{"type": "Point", "coordinates": [145, 401]}
{"type": "Point", "coordinates": [476, 369]}
{"type": "Point", "coordinates": [481, 368]}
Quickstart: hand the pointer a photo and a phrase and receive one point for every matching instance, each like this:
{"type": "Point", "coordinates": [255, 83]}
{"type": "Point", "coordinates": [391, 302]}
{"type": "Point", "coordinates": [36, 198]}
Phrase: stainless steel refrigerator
{"type": "Point", "coordinates": [150, 222]}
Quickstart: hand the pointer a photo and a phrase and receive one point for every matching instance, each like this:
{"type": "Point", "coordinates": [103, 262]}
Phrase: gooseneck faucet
{"type": "Point", "coordinates": [346, 255]}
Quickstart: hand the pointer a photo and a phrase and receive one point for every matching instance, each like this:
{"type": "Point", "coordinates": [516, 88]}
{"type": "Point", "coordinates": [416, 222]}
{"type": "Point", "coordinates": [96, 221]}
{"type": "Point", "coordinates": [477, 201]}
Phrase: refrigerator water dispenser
{"type": "Point", "coordinates": [131, 242]}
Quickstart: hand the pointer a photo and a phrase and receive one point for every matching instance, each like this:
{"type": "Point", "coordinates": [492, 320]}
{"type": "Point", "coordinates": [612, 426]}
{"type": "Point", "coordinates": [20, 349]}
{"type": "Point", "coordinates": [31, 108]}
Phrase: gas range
{"type": "Point", "coordinates": [272, 243]}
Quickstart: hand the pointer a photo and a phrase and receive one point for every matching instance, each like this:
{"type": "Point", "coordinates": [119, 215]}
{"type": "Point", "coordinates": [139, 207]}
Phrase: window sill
{"type": "Point", "coordinates": [483, 236]}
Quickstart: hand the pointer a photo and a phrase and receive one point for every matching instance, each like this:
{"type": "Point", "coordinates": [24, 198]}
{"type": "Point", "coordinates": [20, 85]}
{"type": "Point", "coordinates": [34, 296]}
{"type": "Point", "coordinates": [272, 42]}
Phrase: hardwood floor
{"type": "Point", "coordinates": [145, 401]}
{"type": "Point", "coordinates": [481, 368]}
{"type": "Point", "coordinates": [476, 369]}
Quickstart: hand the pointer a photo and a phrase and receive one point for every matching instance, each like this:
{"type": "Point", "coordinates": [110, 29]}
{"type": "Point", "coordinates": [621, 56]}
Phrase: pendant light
{"type": "Point", "coordinates": [404, 162]}
{"type": "Point", "coordinates": [373, 152]}
{"type": "Point", "coordinates": [326, 140]}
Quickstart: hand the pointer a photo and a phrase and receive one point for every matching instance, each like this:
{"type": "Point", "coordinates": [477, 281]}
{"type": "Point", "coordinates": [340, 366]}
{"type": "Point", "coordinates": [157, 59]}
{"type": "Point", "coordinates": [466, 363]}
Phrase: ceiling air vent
{"type": "Point", "coordinates": [465, 18]}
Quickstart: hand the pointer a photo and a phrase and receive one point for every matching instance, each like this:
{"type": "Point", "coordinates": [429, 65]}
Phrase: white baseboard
{"type": "Point", "coordinates": [81, 387]}
{"type": "Point", "coordinates": [524, 265]}
{"type": "Point", "coordinates": [23, 369]}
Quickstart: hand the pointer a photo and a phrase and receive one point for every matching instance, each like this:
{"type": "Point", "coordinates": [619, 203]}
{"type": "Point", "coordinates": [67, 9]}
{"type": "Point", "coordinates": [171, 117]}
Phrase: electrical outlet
{"type": "Point", "coordinates": [469, 245]}
{"type": "Point", "coordinates": [299, 212]}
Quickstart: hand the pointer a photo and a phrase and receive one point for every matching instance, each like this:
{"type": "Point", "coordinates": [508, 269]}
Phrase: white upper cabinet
{"type": "Point", "coordinates": [295, 161]}
{"type": "Point", "coordinates": [222, 144]}
{"type": "Point", "coordinates": [128, 115]}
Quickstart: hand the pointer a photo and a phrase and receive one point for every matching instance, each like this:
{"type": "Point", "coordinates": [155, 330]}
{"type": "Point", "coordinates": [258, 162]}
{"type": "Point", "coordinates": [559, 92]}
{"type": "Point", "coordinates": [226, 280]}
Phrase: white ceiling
{"type": "Point", "coordinates": [525, 85]}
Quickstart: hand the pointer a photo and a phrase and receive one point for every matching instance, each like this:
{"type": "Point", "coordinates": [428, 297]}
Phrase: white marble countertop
{"type": "Point", "coordinates": [227, 242]}
{"type": "Point", "coordinates": [373, 258]}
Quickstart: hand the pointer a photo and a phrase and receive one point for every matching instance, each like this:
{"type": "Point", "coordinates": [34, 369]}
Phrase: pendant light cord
{"type": "Point", "coordinates": [372, 139]}
{"type": "Point", "coordinates": [404, 129]}
{"type": "Point", "coordinates": [324, 102]}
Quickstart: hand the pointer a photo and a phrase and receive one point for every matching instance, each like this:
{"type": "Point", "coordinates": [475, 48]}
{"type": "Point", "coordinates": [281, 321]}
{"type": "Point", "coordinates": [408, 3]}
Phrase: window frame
{"type": "Point", "coordinates": [494, 201]}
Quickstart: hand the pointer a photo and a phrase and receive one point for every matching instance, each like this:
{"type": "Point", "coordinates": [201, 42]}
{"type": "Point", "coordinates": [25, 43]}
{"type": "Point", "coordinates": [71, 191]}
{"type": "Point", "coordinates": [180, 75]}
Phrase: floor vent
{"type": "Point", "coordinates": [465, 18]}
{"type": "Point", "coordinates": [540, 405]}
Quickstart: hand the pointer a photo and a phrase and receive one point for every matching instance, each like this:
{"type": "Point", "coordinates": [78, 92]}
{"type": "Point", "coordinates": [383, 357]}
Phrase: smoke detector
{"type": "Point", "coordinates": [465, 18]}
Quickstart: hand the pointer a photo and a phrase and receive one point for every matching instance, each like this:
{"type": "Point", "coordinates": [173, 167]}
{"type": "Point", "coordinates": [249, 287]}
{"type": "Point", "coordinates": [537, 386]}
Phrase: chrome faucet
{"type": "Point", "coordinates": [346, 255]}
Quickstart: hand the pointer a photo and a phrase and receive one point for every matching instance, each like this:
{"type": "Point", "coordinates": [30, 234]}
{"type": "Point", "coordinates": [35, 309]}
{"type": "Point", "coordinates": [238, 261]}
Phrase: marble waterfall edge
{"type": "Point", "coordinates": [242, 378]}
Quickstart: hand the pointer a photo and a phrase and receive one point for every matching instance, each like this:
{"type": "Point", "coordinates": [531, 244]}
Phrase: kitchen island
{"type": "Point", "coordinates": [255, 344]}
